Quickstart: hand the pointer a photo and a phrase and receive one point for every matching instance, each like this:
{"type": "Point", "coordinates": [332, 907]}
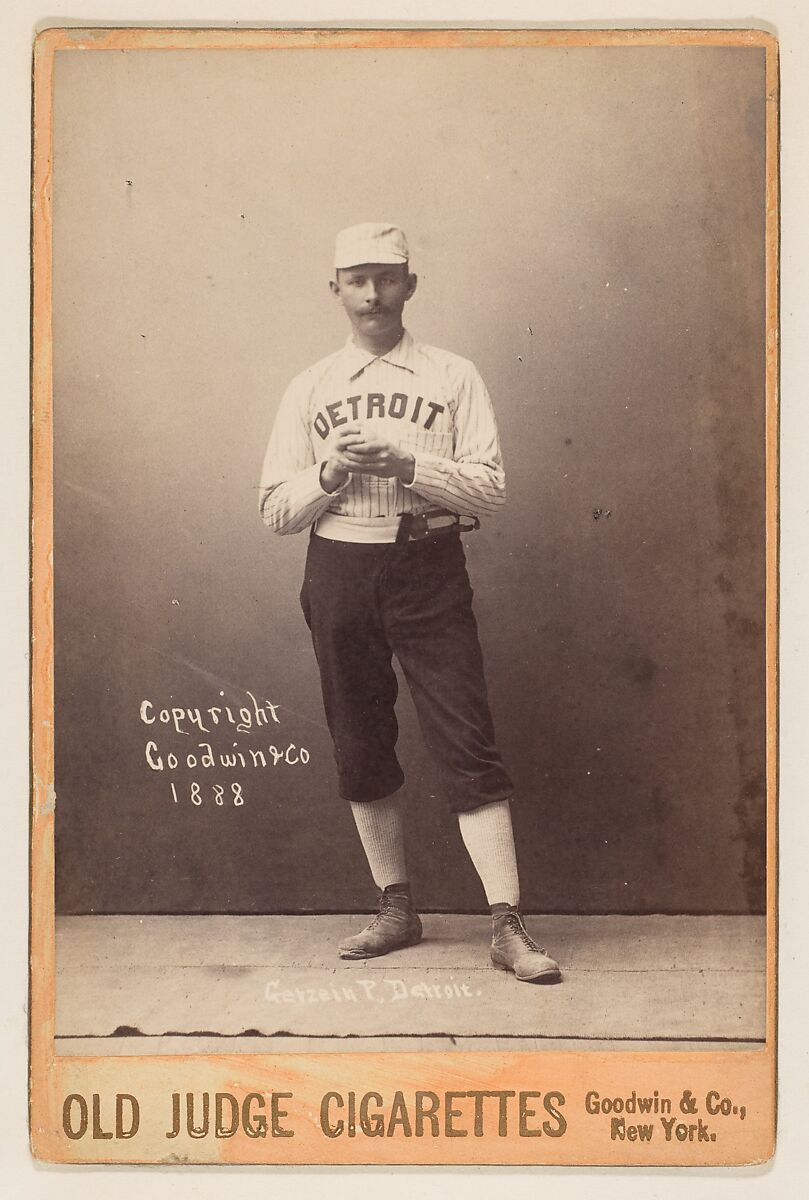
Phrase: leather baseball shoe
{"type": "Point", "coordinates": [395, 926]}
{"type": "Point", "coordinates": [514, 950]}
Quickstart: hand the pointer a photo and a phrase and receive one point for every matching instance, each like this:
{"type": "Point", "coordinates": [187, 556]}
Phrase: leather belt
{"type": "Point", "coordinates": [416, 527]}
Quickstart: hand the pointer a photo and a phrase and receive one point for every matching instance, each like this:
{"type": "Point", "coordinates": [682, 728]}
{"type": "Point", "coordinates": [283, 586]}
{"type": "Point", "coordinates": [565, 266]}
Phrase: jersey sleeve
{"type": "Point", "coordinates": [291, 497]}
{"type": "Point", "coordinates": [472, 482]}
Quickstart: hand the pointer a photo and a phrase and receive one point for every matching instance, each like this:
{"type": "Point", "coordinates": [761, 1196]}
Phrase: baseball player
{"type": "Point", "coordinates": [387, 450]}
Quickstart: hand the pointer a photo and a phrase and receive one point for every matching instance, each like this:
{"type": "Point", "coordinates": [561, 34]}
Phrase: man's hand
{"type": "Point", "coordinates": [373, 456]}
{"type": "Point", "coordinates": [336, 469]}
{"type": "Point", "coordinates": [355, 453]}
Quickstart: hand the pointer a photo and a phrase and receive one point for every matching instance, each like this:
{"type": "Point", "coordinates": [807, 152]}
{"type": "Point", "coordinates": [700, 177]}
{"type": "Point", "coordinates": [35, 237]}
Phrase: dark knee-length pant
{"type": "Point", "coordinates": [364, 604]}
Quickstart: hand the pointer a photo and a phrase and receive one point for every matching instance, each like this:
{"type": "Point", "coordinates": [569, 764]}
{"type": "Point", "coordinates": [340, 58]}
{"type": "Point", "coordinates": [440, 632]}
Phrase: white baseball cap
{"type": "Point", "coordinates": [373, 242]}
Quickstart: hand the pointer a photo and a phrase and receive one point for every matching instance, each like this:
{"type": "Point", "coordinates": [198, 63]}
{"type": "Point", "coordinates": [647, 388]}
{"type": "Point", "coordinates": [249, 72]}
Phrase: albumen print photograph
{"type": "Point", "coordinates": [409, 548]}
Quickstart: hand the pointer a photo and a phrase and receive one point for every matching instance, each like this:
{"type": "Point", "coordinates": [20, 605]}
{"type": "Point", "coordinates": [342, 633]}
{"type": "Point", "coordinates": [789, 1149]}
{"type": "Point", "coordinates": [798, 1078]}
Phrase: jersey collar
{"type": "Point", "coordinates": [401, 355]}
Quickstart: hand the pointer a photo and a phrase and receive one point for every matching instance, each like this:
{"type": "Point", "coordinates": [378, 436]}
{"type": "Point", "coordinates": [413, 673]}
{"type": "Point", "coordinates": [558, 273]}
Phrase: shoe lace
{"type": "Point", "coordinates": [513, 922]}
{"type": "Point", "coordinates": [387, 905]}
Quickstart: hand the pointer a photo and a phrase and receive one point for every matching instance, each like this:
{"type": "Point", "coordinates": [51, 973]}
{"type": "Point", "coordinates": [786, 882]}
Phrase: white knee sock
{"type": "Point", "coordinates": [489, 838]}
{"type": "Point", "coordinates": [380, 824]}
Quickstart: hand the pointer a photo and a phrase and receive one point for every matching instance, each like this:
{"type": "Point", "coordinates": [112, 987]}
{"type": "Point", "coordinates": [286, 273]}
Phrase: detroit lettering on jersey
{"type": "Point", "coordinates": [398, 407]}
{"type": "Point", "coordinates": [429, 402]}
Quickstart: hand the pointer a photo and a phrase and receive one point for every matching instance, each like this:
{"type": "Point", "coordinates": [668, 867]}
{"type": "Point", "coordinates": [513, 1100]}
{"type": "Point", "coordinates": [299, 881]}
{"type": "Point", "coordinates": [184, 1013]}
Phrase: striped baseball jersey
{"type": "Point", "coordinates": [429, 402]}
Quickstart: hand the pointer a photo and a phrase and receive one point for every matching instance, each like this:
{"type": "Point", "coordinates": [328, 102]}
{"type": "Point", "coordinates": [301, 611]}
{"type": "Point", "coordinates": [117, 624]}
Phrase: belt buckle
{"type": "Point", "coordinates": [419, 527]}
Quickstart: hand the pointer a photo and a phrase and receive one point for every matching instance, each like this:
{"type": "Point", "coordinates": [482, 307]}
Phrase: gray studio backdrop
{"type": "Point", "coordinates": [588, 227]}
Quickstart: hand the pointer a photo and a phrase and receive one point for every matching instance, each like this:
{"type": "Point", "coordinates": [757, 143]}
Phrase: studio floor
{"type": "Point", "coordinates": [196, 984]}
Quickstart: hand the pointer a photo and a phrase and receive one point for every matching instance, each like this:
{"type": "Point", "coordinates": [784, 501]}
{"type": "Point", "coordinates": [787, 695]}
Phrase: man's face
{"type": "Point", "coordinates": [373, 296]}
